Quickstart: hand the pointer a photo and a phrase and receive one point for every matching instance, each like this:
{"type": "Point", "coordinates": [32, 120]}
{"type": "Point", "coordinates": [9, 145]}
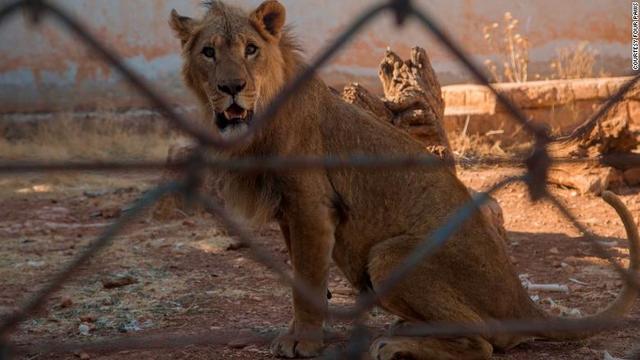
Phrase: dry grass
{"type": "Point", "coordinates": [574, 62]}
{"type": "Point", "coordinates": [76, 137]}
{"type": "Point", "coordinates": [479, 146]}
{"type": "Point", "coordinates": [512, 48]}
{"type": "Point", "coordinates": [66, 137]}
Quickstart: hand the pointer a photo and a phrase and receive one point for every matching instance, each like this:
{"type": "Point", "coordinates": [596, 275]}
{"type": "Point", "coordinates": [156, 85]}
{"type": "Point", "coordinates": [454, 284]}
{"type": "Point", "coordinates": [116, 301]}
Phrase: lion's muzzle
{"type": "Point", "coordinates": [235, 117]}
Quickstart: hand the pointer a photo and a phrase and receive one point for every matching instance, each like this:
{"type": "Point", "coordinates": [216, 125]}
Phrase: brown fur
{"type": "Point", "coordinates": [367, 221]}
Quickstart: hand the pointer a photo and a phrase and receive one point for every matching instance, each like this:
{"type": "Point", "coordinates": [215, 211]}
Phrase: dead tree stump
{"type": "Point", "coordinates": [412, 100]}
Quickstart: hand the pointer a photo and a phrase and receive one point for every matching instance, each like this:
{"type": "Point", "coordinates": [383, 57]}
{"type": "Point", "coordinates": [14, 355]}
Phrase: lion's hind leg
{"type": "Point", "coordinates": [423, 296]}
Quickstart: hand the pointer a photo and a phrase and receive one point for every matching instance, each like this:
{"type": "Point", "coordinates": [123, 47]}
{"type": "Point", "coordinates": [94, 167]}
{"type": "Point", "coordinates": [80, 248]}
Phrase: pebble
{"type": "Point", "coordinates": [84, 329]}
{"type": "Point", "coordinates": [88, 318]}
{"type": "Point", "coordinates": [568, 268]}
{"type": "Point", "coordinates": [92, 194]}
{"type": "Point", "coordinates": [189, 223]}
{"type": "Point", "coordinates": [82, 355]}
{"type": "Point", "coordinates": [116, 282]}
{"type": "Point", "coordinates": [66, 302]}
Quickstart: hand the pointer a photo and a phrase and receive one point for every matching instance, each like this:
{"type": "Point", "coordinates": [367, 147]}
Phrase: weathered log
{"type": "Point", "coordinates": [586, 178]}
{"type": "Point", "coordinates": [411, 86]}
{"type": "Point", "coordinates": [608, 136]}
{"type": "Point", "coordinates": [412, 100]}
{"type": "Point", "coordinates": [413, 93]}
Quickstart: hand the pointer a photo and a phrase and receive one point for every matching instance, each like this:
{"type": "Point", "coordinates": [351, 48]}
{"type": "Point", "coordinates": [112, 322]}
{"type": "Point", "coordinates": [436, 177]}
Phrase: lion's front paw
{"type": "Point", "coordinates": [291, 346]}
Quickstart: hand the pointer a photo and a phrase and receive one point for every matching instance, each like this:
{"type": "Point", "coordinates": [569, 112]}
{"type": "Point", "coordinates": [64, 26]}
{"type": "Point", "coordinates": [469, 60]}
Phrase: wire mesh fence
{"type": "Point", "coordinates": [536, 165]}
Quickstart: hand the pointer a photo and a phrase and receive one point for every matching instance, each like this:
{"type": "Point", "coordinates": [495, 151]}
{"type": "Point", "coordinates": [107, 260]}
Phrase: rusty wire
{"type": "Point", "coordinates": [300, 163]}
{"type": "Point", "coordinates": [537, 165]}
{"type": "Point", "coordinates": [252, 337]}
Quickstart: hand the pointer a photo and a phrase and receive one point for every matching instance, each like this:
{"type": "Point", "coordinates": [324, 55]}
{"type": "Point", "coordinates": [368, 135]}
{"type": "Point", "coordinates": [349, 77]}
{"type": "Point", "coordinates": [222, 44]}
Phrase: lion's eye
{"type": "Point", "coordinates": [251, 50]}
{"type": "Point", "coordinates": [209, 52]}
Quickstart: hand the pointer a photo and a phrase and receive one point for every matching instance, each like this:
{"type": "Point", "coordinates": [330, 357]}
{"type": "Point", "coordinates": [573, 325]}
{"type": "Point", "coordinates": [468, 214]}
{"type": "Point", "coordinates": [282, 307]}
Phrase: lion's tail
{"type": "Point", "coordinates": [623, 303]}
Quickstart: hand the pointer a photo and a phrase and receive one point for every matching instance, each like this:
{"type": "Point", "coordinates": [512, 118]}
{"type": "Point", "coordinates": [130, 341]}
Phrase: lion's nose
{"type": "Point", "coordinates": [232, 87]}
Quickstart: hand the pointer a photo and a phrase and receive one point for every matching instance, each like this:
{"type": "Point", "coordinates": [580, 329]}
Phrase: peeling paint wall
{"type": "Point", "coordinates": [43, 68]}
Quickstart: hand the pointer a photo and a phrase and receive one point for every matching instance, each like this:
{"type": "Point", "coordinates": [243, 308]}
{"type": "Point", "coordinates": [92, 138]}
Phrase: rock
{"type": "Point", "coordinates": [111, 213]}
{"type": "Point", "coordinates": [35, 263]}
{"type": "Point", "coordinates": [126, 190]}
{"type": "Point", "coordinates": [131, 326]}
{"type": "Point", "coordinates": [65, 302]}
{"type": "Point", "coordinates": [88, 318]}
{"type": "Point", "coordinates": [82, 355]}
{"type": "Point", "coordinates": [119, 281]}
{"type": "Point", "coordinates": [107, 213]}
{"type": "Point", "coordinates": [568, 268]}
{"type": "Point", "coordinates": [84, 329]}
{"type": "Point", "coordinates": [189, 223]}
{"type": "Point", "coordinates": [92, 194]}
{"type": "Point", "coordinates": [214, 242]}
{"type": "Point", "coordinates": [238, 344]}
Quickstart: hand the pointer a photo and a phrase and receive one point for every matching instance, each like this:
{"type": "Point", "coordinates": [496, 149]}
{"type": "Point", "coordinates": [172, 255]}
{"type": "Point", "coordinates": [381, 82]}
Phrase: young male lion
{"type": "Point", "coordinates": [368, 221]}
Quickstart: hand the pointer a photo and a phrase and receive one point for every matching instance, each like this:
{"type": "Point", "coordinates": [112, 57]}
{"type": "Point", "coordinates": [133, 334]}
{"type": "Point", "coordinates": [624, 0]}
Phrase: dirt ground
{"type": "Point", "coordinates": [185, 276]}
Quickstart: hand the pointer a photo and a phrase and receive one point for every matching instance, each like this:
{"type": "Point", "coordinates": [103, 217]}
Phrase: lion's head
{"type": "Point", "coordinates": [233, 60]}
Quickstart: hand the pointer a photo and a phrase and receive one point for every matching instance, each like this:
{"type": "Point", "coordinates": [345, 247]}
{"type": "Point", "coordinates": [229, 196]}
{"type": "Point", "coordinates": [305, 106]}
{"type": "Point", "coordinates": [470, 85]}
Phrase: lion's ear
{"type": "Point", "coordinates": [269, 19]}
{"type": "Point", "coordinates": [182, 26]}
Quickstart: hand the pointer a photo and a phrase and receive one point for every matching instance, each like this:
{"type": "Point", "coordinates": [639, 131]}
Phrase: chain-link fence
{"type": "Point", "coordinates": [537, 166]}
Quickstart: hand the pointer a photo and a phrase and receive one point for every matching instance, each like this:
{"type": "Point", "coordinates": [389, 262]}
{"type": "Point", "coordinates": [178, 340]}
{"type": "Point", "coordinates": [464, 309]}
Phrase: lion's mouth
{"type": "Point", "coordinates": [234, 116]}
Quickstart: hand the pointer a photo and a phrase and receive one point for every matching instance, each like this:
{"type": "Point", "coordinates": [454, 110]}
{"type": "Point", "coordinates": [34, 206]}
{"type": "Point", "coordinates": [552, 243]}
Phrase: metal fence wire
{"type": "Point", "coordinates": [357, 340]}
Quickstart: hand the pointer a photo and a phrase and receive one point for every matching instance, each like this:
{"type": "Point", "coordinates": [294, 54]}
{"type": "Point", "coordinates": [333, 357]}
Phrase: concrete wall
{"type": "Point", "coordinates": [561, 104]}
{"type": "Point", "coordinates": [43, 68]}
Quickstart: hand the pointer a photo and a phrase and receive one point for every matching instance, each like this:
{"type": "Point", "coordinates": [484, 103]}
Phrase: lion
{"type": "Point", "coordinates": [366, 221]}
